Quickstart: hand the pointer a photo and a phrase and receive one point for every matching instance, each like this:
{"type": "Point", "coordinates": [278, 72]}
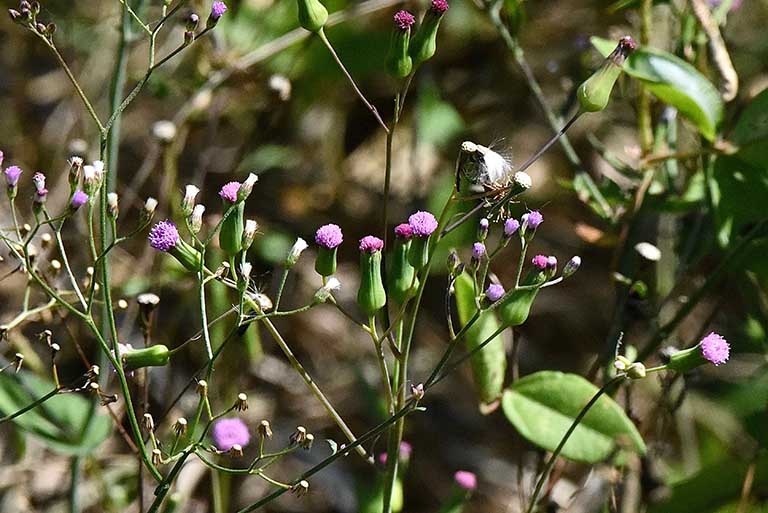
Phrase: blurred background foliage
{"type": "Point", "coordinates": [259, 95]}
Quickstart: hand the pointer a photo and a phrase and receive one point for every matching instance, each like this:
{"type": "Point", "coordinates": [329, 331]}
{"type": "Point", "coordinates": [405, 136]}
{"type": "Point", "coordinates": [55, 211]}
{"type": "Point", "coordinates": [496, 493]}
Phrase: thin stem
{"type": "Point", "coordinates": [31, 405]}
{"type": "Point", "coordinates": [382, 365]}
{"type": "Point", "coordinates": [283, 279]}
{"type": "Point", "coordinates": [553, 457]}
{"type": "Point", "coordinates": [369, 105]}
{"type": "Point", "coordinates": [74, 481]}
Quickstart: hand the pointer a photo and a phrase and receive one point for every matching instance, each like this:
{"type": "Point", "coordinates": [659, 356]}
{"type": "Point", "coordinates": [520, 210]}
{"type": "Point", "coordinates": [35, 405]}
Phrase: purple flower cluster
{"type": "Point", "coordinates": [371, 244]}
{"type": "Point", "coordinates": [404, 231]}
{"type": "Point", "coordinates": [439, 6]}
{"type": "Point", "coordinates": [164, 236]}
{"type": "Point", "coordinates": [511, 226]}
{"type": "Point", "coordinates": [478, 250]}
{"type": "Point", "coordinates": [532, 219]}
{"type": "Point", "coordinates": [229, 191]}
{"type": "Point", "coordinates": [494, 292]}
{"type": "Point", "coordinates": [715, 348]}
{"type": "Point", "coordinates": [423, 224]}
{"type": "Point", "coordinates": [329, 236]}
{"type": "Point", "coordinates": [12, 175]}
{"type": "Point", "coordinates": [218, 9]}
{"type": "Point", "coordinates": [79, 198]}
{"type": "Point", "coordinates": [540, 261]}
{"type": "Point", "coordinates": [404, 20]}
{"type": "Point", "coordinates": [229, 432]}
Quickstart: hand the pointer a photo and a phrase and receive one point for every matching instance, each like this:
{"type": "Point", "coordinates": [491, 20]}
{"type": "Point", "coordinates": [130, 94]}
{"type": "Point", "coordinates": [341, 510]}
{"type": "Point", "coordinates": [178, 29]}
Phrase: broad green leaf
{"type": "Point", "coordinates": [675, 82]}
{"type": "Point", "coordinates": [59, 422]}
{"type": "Point", "coordinates": [439, 122]}
{"type": "Point", "coordinates": [542, 406]}
{"type": "Point", "coordinates": [751, 132]}
{"type": "Point", "coordinates": [490, 363]}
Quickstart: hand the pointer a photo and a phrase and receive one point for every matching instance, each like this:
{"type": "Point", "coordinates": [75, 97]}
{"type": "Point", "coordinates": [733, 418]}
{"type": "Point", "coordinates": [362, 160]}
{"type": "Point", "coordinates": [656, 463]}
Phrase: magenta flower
{"type": "Point", "coordinates": [466, 480]}
{"type": "Point", "coordinates": [79, 198]}
{"type": "Point", "coordinates": [329, 236]}
{"type": "Point", "coordinates": [533, 219]}
{"type": "Point", "coordinates": [404, 20]}
{"type": "Point", "coordinates": [422, 224]}
{"type": "Point", "coordinates": [540, 262]}
{"type": "Point", "coordinates": [511, 226]}
{"type": "Point", "coordinates": [405, 452]}
{"type": "Point", "coordinates": [371, 244]}
{"type": "Point", "coordinates": [229, 191]}
{"type": "Point", "coordinates": [229, 432]}
{"type": "Point", "coordinates": [163, 236]}
{"type": "Point", "coordinates": [715, 348]}
{"type": "Point", "coordinates": [439, 6]}
{"type": "Point", "coordinates": [478, 250]}
{"type": "Point", "coordinates": [12, 175]}
{"type": "Point", "coordinates": [404, 231]}
{"type": "Point", "coordinates": [218, 9]}
{"type": "Point", "coordinates": [494, 292]}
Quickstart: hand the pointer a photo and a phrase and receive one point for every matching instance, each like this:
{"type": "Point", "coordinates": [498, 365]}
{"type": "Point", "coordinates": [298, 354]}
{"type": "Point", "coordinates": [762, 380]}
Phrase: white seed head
{"type": "Point", "coordinates": [164, 131]}
{"type": "Point", "coordinates": [496, 169]}
{"type": "Point", "coordinates": [245, 270]}
{"type": "Point", "coordinates": [247, 186]}
{"type": "Point", "coordinates": [196, 218]}
{"type": "Point", "coordinates": [523, 180]}
{"type": "Point", "coordinates": [190, 193]}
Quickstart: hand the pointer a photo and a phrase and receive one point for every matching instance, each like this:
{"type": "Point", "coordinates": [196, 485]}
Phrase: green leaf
{"type": "Point", "coordinates": [59, 422]}
{"type": "Point", "coordinates": [675, 82]}
{"type": "Point", "coordinates": [751, 132]}
{"type": "Point", "coordinates": [489, 365]}
{"type": "Point", "coordinates": [542, 406]}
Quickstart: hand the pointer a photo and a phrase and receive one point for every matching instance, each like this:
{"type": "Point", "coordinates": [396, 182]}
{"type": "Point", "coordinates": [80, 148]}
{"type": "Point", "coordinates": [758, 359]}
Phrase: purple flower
{"type": "Point", "coordinates": [439, 6]}
{"type": "Point", "coordinates": [540, 262]}
{"type": "Point", "coordinates": [163, 236]}
{"type": "Point", "coordinates": [405, 452]}
{"type": "Point", "coordinates": [229, 191]}
{"type": "Point", "coordinates": [78, 199]}
{"type": "Point", "coordinates": [478, 250]}
{"type": "Point", "coordinates": [465, 480]}
{"type": "Point", "coordinates": [511, 226]}
{"type": "Point", "coordinates": [494, 292]}
{"type": "Point", "coordinates": [371, 244]}
{"type": "Point", "coordinates": [218, 9]}
{"type": "Point", "coordinates": [422, 224]}
{"type": "Point", "coordinates": [229, 432]}
{"type": "Point", "coordinates": [533, 219]}
{"type": "Point", "coordinates": [715, 348]}
{"type": "Point", "coordinates": [404, 20]}
{"type": "Point", "coordinates": [329, 236]}
{"type": "Point", "coordinates": [12, 175]}
{"type": "Point", "coordinates": [404, 231]}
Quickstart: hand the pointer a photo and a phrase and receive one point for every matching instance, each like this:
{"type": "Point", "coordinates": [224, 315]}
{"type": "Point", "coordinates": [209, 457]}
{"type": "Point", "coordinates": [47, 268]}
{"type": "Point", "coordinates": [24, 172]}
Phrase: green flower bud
{"type": "Point", "coordinates": [152, 356]}
{"type": "Point", "coordinates": [231, 232]}
{"type": "Point", "coordinates": [401, 274]}
{"type": "Point", "coordinates": [399, 63]}
{"type": "Point", "coordinates": [424, 41]}
{"type": "Point", "coordinates": [188, 256]}
{"type": "Point", "coordinates": [325, 263]}
{"type": "Point", "coordinates": [371, 296]}
{"type": "Point", "coordinates": [516, 308]}
{"type": "Point", "coordinates": [595, 92]}
{"type": "Point", "coordinates": [312, 15]}
{"type": "Point", "coordinates": [418, 252]}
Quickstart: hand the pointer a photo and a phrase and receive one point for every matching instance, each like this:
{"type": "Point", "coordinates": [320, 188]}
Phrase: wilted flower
{"type": "Point", "coordinates": [196, 218]}
{"type": "Point", "coordinates": [324, 292]}
{"type": "Point", "coordinates": [296, 250]}
{"type": "Point", "coordinates": [188, 202]}
{"type": "Point", "coordinates": [246, 187]}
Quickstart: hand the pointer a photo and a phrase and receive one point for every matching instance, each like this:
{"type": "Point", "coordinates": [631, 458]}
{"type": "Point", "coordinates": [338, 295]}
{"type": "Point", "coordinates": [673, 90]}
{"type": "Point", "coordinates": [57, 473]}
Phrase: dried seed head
{"type": "Point", "coordinates": [122, 304]}
{"type": "Point", "coordinates": [636, 371]}
{"type": "Point", "coordinates": [112, 205]}
{"type": "Point", "coordinates": [417, 391]}
{"type": "Point", "coordinates": [45, 240]}
{"type": "Point", "coordinates": [188, 201]}
{"type": "Point", "coordinates": [157, 457]}
{"type": "Point", "coordinates": [308, 441]}
{"type": "Point", "coordinates": [164, 131]}
{"type": "Point", "coordinates": [236, 451]}
{"type": "Point", "coordinates": [242, 402]}
{"type": "Point", "coordinates": [202, 388]}
{"type": "Point", "coordinates": [180, 426]}
{"type": "Point", "coordinates": [55, 266]}
{"type": "Point", "coordinates": [264, 430]}
{"type": "Point", "coordinates": [148, 422]}
{"type": "Point", "coordinates": [18, 360]}
{"type": "Point", "coordinates": [196, 218]}
{"type": "Point", "coordinates": [300, 489]}
{"type": "Point", "coordinates": [148, 212]}
{"type": "Point", "coordinates": [299, 436]}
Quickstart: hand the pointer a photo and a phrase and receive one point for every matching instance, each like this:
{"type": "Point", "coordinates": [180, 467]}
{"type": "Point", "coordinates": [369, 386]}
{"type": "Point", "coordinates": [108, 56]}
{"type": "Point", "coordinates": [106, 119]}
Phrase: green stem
{"type": "Point", "coordinates": [74, 473]}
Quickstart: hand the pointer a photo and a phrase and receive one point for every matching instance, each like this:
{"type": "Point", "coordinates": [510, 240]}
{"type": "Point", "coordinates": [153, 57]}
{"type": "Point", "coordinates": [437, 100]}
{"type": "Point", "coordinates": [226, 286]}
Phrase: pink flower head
{"type": "Point", "coordinates": [229, 191]}
{"type": "Point", "coordinates": [12, 175]}
{"type": "Point", "coordinates": [494, 292]}
{"type": "Point", "coordinates": [478, 250]}
{"type": "Point", "coordinates": [371, 244]}
{"type": "Point", "coordinates": [329, 236]}
{"type": "Point", "coordinates": [540, 262]}
{"type": "Point", "coordinates": [439, 6]}
{"type": "Point", "coordinates": [229, 432]}
{"type": "Point", "coordinates": [715, 348]}
{"type": "Point", "coordinates": [404, 231]}
{"type": "Point", "coordinates": [533, 219]}
{"type": "Point", "coordinates": [217, 11]}
{"type": "Point", "coordinates": [511, 226]}
{"type": "Point", "coordinates": [164, 236]}
{"type": "Point", "coordinates": [405, 453]}
{"type": "Point", "coordinates": [404, 20]}
{"type": "Point", "coordinates": [465, 480]}
{"type": "Point", "coordinates": [422, 224]}
{"type": "Point", "coordinates": [79, 198]}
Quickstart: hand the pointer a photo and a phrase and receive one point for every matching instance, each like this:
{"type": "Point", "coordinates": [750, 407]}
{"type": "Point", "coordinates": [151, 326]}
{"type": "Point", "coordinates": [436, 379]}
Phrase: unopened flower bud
{"type": "Point", "coordinates": [189, 37]}
{"type": "Point", "coordinates": [424, 41]}
{"type": "Point", "coordinates": [595, 92]}
{"type": "Point", "coordinates": [242, 402]}
{"type": "Point", "coordinates": [217, 11]}
{"type": "Point", "coordinates": [192, 22]}
{"type": "Point", "coordinates": [312, 15]}
{"type": "Point", "coordinates": [293, 255]}
{"type": "Point", "coordinates": [636, 371]}
{"type": "Point", "coordinates": [482, 229]}
{"type": "Point", "coordinates": [371, 296]}
{"type": "Point", "coordinates": [75, 169]}
{"type": "Point", "coordinates": [399, 62]}
{"type": "Point", "coordinates": [453, 262]}
{"type": "Point", "coordinates": [571, 266]}
{"type": "Point", "coordinates": [157, 355]}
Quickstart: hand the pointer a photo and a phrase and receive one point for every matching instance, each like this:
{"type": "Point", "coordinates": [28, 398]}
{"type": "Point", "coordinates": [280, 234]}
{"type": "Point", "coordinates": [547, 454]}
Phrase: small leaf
{"type": "Point", "coordinates": [675, 82]}
{"type": "Point", "coordinates": [489, 364]}
{"type": "Point", "coordinates": [542, 406]}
